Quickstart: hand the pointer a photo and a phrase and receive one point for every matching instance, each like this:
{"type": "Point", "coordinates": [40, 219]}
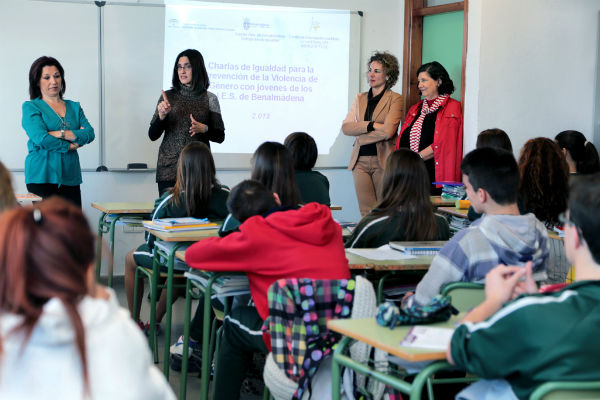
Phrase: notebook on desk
{"type": "Point", "coordinates": [419, 248]}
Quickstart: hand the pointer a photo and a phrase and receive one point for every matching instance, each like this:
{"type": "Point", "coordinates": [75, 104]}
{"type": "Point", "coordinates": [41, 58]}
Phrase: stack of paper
{"type": "Point", "coordinates": [458, 223]}
{"type": "Point", "coordinates": [453, 190]}
{"type": "Point", "coordinates": [179, 224]}
{"type": "Point", "coordinates": [228, 285]}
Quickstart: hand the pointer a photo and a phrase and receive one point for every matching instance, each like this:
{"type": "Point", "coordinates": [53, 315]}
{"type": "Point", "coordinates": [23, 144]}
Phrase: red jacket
{"type": "Point", "coordinates": [304, 243]}
{"type": "Point", "coordinates": [447, 139]}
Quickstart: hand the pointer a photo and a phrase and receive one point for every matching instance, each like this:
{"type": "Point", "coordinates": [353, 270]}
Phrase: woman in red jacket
{"type": "Point", "coordinates": [433, 126]}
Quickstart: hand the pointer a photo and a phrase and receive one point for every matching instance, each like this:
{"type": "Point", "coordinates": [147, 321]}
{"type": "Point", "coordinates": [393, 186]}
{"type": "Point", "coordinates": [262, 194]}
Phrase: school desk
{"type": "Point", "coordinates": [438, 201]}
{"type": "Point", "coordinates": [457, 212]}
{"type": "Point", "coordinates": [178, 239]}
{"type": "Point", "coordinates": [117, 210]}
{"type": "Point", "coordinates": [368, 331]}
{"type": "Point", "coordinates": [356, 262]}
{"type": "Point", "coordinates": [335, 207]}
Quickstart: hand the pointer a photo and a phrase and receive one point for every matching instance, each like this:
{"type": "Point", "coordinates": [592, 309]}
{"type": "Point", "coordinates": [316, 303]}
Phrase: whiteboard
{"type": "Point", "coordinates": [65, 31]}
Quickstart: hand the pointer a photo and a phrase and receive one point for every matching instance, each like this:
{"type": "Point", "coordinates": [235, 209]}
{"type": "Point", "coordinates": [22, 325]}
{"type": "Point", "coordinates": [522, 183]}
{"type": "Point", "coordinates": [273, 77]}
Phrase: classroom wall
{"type": "Point", "coordinates": [531, 68]}
{"type": "Point", "coordinates": [382, 29]}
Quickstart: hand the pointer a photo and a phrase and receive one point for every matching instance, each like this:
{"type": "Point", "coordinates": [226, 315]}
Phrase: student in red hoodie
{"type": "Point", "coordinates": [280, 243]}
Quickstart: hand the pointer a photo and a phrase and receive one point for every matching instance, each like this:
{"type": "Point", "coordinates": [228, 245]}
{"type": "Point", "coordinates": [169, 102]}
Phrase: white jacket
{"type": "Point", "coordinates": [49, 366]}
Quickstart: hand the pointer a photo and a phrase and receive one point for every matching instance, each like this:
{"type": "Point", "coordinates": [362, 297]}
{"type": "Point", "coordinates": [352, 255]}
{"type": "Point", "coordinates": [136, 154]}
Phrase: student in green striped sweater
{"type": "Point", "coordinates": [539, 337]}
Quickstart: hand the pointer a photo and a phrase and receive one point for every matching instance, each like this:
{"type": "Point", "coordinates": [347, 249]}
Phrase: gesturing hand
{"type": "Point", "coordinates": [500, 283]}
{"type": "Point", "coordinates": [197, 127]}
{"type": "Point", "coordinates": [164, 107]}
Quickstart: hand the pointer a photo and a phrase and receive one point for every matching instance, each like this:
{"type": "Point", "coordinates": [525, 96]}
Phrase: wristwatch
{"type": "Point", "coordinates": [62, 133]}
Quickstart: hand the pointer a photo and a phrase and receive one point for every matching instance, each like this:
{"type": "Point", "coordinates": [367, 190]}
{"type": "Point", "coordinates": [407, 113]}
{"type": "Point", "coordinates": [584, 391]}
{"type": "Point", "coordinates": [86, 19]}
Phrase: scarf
{"type": "Point", "coordinates": [415, 131]}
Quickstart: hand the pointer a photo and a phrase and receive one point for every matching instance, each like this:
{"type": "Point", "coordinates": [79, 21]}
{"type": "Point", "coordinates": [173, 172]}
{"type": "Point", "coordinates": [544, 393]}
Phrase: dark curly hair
{"type": "Point", "coordinates": [390, 65]}
{"type": "Point", "coordinates": [544, 185]}
{"type": "Point", "coordinates": [437, 71]}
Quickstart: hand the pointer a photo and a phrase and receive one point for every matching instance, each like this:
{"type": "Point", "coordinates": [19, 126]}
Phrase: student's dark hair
{"type": "Point", "coordinates": [584, 153]}
{"type": "Point", "coordinates": [35, 74]}
{"type": "Point", "coordinates": [437, 71]}
{"type": "Point", "coordinates": [196, 177]}
{"type": "Point", "coordinates": [405, 192]}
{"type": "Point", "coordinates": [494, 137]}
{"type": "Point", "coordinates": [46, 251]}
{"type": "Point", "coordinates": [273, 167]}
{"type": "Point", "coordinates": [250, 198]}
{"type": "Point", "coordinates": [584, 210]}
{"type": "Point", "coordinates": [390, 65]}
{"type": "Point", "coordinates": [200, 80]}
{"type": "Point", "coordinates": [495, 171]}
{"type": "Point", "coordinates": [544, 185]}
{"type": "Point", "coordinates": [7, 196]}
{"type": "Point", "coordinates": [303, 150]}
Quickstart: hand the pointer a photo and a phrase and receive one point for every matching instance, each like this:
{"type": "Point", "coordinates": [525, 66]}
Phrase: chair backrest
{"type": "Point", "coordinates": [567, 390]}
{"type": "Point", "coordinates": [465, 295]}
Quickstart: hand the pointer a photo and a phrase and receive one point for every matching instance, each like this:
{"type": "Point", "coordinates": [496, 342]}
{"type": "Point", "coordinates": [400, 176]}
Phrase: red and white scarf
{"type": "Point", "coordinates": [415, 131]}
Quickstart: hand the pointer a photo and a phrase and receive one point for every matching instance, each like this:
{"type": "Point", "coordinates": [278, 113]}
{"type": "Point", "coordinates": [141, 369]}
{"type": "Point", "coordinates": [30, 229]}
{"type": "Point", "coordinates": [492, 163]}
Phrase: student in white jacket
{"type": "Point", "coordinates": [61, 335]}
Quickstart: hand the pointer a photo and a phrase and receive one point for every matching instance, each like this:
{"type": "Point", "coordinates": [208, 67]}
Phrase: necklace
{"type": "Point", "coordinates": [63, 123]}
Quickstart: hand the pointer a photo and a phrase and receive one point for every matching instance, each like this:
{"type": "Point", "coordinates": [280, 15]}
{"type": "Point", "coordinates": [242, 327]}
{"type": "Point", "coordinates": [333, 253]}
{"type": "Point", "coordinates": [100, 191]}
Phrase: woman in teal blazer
{"type": "Point", "coordinates": [56, 129]}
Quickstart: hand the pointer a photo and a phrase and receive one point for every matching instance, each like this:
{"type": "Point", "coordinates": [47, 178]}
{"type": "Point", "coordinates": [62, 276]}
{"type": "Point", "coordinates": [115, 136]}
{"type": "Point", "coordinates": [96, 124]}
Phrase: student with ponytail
{"type": "Point", "coordinates": [580, 154]}
{"type": "Point", "coordinates": [62, 335]}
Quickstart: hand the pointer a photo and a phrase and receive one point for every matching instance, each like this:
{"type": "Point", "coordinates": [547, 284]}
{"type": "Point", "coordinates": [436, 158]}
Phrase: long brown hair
{"type": "Point", "coordinates": [544, 185]}
{"type": "Point", "coordinates": [196, 176]}
{"type": "Point", "coordinates": [7, 196]}
{"type": "Point", "coordinates": [405, 192]}
{"type": "Point", "coordinates": [272, 165]}
{"type": "Point", "coordinates": [45, 252]}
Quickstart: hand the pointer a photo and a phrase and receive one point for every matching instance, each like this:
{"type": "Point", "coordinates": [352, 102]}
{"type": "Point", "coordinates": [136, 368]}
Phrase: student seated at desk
{"type": "Point", "coordinates": [581, 155]}
{"type": "Point", "coordinates": [405, 212]}
{"type": "Point", "coordinates": [61, 335]}
{"type": "Point", "coordinates": [539, 337]}
{"type": "Point", "coordinates": [280, 243]}
{"type": "Point", "coordinates": [501, 236]}
{"type": "Point", "coordinates": [313, 185]}
{"type": "Point", "coordinates": [7, 196]}
{"type": "Point", "coordinates": [197, 193]}
{"type": "Point", "coordinates": [272, 165]}
{"type": "Point", "coordinates": [493, 137]}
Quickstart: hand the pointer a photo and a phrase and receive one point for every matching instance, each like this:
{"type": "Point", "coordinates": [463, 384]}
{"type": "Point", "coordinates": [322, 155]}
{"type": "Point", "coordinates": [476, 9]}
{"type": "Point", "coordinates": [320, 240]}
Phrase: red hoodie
{"type": "Point", "coordinates": [303, 243]}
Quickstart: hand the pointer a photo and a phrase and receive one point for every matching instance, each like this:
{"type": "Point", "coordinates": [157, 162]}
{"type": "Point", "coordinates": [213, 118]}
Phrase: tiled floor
{"type": "Point", "coordinates": [193, 381]}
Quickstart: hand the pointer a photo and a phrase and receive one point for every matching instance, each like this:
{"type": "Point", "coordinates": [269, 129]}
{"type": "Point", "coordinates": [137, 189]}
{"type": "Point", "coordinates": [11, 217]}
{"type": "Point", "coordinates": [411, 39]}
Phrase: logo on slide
{"type": "Point", "coordinates": [247, 24]}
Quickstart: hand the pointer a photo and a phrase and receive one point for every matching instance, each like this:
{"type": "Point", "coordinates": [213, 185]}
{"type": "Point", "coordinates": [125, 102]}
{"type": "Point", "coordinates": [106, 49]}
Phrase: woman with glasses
{"type": "Point", "coordinates": [56, 129]}
{"type": "Point", "coordinates": [185, 113]}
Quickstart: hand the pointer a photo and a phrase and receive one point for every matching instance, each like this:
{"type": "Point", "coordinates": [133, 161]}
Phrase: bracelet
{"type": "Point", "coordinates": [62, 134]}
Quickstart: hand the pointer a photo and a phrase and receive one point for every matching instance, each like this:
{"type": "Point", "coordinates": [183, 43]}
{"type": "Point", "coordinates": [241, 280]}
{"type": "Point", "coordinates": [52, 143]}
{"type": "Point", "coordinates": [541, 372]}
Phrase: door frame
{"type": "Point", "coordinates": [414, 11]}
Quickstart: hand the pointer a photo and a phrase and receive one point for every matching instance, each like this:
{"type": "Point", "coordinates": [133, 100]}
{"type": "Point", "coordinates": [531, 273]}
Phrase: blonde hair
{"type": "Point", "coordinates": [7, 196]}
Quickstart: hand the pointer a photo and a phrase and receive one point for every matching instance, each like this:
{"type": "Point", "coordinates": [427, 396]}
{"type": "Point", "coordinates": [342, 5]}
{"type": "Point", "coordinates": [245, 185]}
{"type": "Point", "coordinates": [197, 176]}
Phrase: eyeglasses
{"type": "Point", "coordinates": [187, 67]}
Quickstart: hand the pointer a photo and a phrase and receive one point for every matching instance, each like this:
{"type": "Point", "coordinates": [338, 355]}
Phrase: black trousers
{"type": "Point", "coordinates": [45, 190]}
{"type": "Point", "coordinates": [242, 337]}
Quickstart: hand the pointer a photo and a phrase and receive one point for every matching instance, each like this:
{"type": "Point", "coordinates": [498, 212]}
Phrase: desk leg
{"type": "Point", "coordinates": [112, 250]}
{"type": "Point", "coordinates": [153, 300]}
{"type": "Point", "coordinates": [99, 246]}
{"type": "Point", "coordinates": [206, 358]}
{"type": "Point", "coordinates": [380, 286]}
{"type": "Point", "coordinates": [186, 338]}
{"type": "Point", "coordinates": [336, 371]}
{"type": "Point", "coordinates": [171, 265]}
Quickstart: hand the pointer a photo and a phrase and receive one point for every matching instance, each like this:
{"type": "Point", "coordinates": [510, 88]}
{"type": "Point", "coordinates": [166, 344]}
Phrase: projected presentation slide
{"type": "Point", "coordinates": [275, 70]}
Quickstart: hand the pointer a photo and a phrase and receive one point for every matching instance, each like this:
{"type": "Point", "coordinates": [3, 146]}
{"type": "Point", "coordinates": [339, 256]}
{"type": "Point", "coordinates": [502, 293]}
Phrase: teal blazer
{"type": "Point", "coordinates": [49, 159]}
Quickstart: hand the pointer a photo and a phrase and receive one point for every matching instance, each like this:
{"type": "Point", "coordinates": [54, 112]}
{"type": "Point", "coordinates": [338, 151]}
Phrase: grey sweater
{"type": "Point", "coordinates": [205, 109]}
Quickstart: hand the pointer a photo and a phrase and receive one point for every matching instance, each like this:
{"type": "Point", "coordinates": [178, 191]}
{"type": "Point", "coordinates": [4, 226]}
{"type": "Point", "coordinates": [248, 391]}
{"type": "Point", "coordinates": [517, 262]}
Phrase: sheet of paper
{"type": "Point", "coordinates": [384, 252]}
{"type": "Point", "coordinates": [428, 337]}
